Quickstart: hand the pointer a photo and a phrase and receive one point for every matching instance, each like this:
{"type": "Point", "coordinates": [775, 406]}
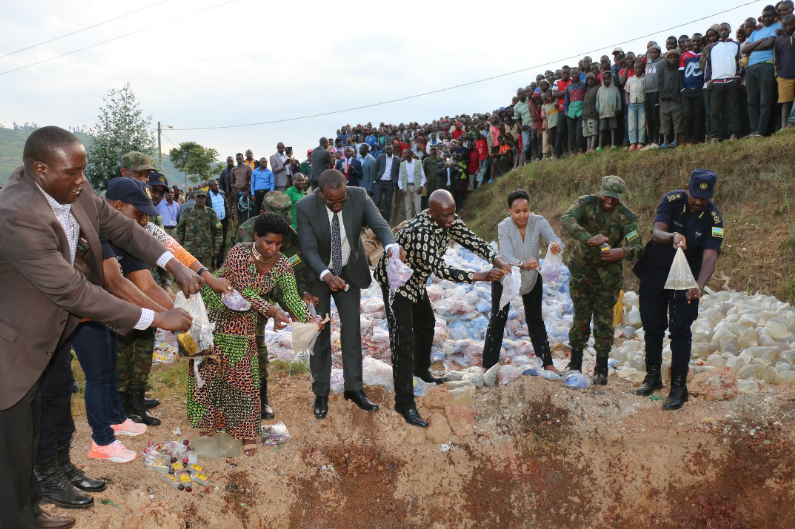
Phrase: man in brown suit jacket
{"type": "Point", "coordinates": [50, 277]}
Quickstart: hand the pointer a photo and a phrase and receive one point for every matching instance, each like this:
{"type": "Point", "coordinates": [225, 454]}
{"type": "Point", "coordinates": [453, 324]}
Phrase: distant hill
{"type": "Point", "coordinates": [12, 143]}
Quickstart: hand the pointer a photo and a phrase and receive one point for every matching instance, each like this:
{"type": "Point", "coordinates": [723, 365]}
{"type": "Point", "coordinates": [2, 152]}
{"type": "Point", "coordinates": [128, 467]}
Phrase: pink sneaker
{"type": "Point", "coordinates": [115, 451]}
{"type": "Point", "coordinates": [128, 428]}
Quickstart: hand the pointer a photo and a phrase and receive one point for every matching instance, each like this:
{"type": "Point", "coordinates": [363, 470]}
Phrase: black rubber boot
{"type": "Point", "coordinates": [575, 361]}
{"type": "Point", "coordinates": [151, 403]}
{"type": "Point", "coordinates": [267, 411]}
{"type": "Point", "coordinates": [652, 382]}
{"type": "Point", "coordinates": [75, 475]}
{"type": "Point", "coordinates": [600, 371]}
{"type": "Point", "coordinates": [137, 408]}
{"type": "Point", "coordinates": [57, 488]}
{"type": "Point", "coordinates": [678, 394]}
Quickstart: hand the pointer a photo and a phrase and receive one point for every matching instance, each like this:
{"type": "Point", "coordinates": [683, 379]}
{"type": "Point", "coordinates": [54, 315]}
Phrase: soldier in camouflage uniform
{"type": "Point", "coordinates": [599, 225]}
{"type": "Point", "coordinates": [199, 231]}
{"type": "Point", "coordinates": [279, 203]}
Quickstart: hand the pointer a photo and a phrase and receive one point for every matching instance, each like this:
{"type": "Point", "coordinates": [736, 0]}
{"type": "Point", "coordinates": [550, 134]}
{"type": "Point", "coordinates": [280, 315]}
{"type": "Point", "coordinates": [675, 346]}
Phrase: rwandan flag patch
{"type": "Point", "coordinates": [717, 232]}
{"type": "Point", "coordinates": [294, 260]}
{"type": "Point", "coordinates": [631, 236]}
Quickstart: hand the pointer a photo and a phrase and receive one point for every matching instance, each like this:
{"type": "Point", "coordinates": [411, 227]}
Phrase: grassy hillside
{"type": "Point", "coordinates": [12, 143]}
{"type": "Point", "coordinates": [755, 193]}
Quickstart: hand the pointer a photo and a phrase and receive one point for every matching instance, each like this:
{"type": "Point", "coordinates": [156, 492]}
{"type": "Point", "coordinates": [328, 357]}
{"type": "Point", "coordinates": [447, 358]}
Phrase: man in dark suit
{"type": "Point", "coordinates": [387, 167]}
{"type": "Point", "coordinates": [51, 276]}
{"type": "Point", "coordinates": [350, 167]}
{"type": "Point", "coordinates": [449, 177]}
{"type": "Point", "coordinates": [330, 222]}
{"type": "Point", "coordinates": [321, 160]}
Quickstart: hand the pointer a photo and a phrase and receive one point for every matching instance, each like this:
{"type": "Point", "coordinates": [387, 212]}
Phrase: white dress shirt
{"type": "Point", "coordinates": [287, 167]}
{"type": "Point", "coordinates": [387, 169]}
{"type": "Point", "coordinates": [410, 175]}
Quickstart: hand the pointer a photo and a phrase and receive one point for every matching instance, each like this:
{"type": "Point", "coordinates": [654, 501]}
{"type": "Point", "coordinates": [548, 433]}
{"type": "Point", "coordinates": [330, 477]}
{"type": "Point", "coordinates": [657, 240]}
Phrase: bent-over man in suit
{"type": "Point", "coordinates": [51, 276]}
{"type": "Point", "coordinates": [330, 222]}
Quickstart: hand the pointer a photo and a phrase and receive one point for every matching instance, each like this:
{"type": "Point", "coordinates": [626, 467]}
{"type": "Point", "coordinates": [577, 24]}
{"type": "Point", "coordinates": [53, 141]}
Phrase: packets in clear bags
{"type": "Point", "coordinates": [235, 301]}
{"type": "Point", "coordinates": [198, 340]}
{"type": "Point", "coordinates": [680, 277]}
{"type": "Point", "coordinates": [511, 283]}
{"type": "Point", "coordinates": [551, 266]}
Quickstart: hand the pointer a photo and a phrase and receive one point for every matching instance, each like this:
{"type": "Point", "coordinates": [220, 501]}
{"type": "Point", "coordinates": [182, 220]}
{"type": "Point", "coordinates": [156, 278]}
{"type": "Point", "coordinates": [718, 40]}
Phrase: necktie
{"type": "Point", "coordinates": [336, 246]}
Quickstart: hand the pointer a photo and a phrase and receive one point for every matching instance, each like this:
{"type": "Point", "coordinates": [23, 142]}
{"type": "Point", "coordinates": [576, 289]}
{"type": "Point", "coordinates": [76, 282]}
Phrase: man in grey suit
{"type": "Point", "coordinates": [321, 160]}
{"type": "Point", "coordinates": [51, 276]}
{"type": "Point", "coordinates": [387, 167]}
{"type": "Point", "coordinates": [283, 166]}
{"type": "Point", "coordinates": [330, 222]}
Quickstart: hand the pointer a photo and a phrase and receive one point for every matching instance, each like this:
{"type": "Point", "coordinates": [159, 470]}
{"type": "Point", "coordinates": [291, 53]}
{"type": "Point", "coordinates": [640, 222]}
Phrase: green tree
{"type": "Point", "coordinates": [121, 128]}
{"type": "Point", "coordinates": [197, 161]}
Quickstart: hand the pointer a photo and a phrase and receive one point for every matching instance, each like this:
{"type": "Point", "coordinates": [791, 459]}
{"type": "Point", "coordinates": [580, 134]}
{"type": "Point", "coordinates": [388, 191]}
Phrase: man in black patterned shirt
{"type": "Point", "coordinates": [425, 239]}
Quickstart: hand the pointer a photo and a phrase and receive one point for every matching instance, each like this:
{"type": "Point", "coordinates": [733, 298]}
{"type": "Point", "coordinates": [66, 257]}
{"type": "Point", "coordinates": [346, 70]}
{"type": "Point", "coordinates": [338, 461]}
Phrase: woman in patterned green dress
{"type": "Point", "coordinates": [229, 400]}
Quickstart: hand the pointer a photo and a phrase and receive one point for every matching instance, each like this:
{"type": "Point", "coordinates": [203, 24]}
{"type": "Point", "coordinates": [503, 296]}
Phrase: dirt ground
{"type": "Point", "coordinates": [531, 454]}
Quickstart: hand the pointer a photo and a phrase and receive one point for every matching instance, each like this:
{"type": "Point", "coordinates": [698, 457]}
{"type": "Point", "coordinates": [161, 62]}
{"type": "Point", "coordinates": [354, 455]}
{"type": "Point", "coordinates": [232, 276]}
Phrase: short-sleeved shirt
{"type": "Point", "coordinates": [690, 64]}
{"type": "Point", "coordinates": [522, 112]}
{"type": "Point", "coordinates": [784, 50]}
{"type": "Point", "coordinates": [703, 231]}
{"type": "Point", "coordinates": [128, 263]}
{"type": "Point", "coordinates": [757, 57]}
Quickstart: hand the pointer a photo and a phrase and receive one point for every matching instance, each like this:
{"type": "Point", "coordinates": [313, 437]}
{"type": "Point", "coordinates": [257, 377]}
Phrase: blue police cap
{"type": "Point", "coordinates": [157, 179]}
{"type": "Point", "coordinates": [702, 183]}
{"type": "Point", "coordinates": [132, 192]}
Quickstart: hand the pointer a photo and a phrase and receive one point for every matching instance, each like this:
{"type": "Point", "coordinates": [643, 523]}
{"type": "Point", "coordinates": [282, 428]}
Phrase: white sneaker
{"type": "Point", "coordinates": [115, 452]}
{"type": "Point", "coordinates": [128, 428]}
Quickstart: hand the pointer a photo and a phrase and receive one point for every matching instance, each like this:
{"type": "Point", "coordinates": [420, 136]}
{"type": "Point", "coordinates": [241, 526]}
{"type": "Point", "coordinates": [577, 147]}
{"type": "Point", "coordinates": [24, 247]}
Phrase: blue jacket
{"type": "Point", "coordinates": [355, 172]}
{"type": "Point", "coordinates": [368, 173]}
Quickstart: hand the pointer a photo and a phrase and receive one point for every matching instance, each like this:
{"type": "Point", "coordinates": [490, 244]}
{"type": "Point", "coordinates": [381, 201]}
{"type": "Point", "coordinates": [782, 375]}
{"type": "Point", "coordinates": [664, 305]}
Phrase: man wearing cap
{"type": "Point", "coordinates": [199, 230]}
{"type": "Point", "coordinates": [136, 165]}
{"type": "Point", "coordinates": [279, 203]}
{"type": "Point", "coordinates": [599, 224]}
{"type": "Point", "coordinates": [163, 199]}
{"type": "Point", "coordinates": [686, 219]}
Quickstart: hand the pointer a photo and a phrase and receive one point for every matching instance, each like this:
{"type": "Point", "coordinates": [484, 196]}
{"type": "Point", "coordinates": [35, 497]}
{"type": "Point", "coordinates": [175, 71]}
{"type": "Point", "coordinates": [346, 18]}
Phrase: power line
{"type": "Point", "coordinates": [84, 29]}
{"type": "Point", "coordinates": [118, 37]}
{"type": "Point", "coordinates": [478, 81]}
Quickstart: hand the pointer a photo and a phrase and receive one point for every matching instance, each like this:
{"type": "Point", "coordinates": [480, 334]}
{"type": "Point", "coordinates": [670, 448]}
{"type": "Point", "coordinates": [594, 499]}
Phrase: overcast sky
{"type": "Point", "coordinates": [247, 61]}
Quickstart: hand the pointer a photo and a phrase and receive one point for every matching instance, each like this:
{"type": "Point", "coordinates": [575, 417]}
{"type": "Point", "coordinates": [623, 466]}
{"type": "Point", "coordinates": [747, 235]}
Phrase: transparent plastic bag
{"type": "Point", "coordinates": [235, 301]}
{"type": "Point", "coordinates": [511, 284]}
{"type": "Point", "coordinates": [551, 266]}
{"type": "Point", "coordinates": [576, 380]}
{"type": "Point", "coordinates": [680, 277]}
{"type": "Point", "coordinates": [397, 272]}
{"type": "Point", "coordinates": [305, 335]}
{"type": "Point", "coordinates": [275, 434]}
{"type": "Point", "coordinates": [198, 341]}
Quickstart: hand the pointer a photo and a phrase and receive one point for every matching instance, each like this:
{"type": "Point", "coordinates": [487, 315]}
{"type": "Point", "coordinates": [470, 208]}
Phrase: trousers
{"type": "Point", "coordinates": [662, 310]}
{"type": "Point", "coordinates": [693, 113]}
{"type": "Point", "coordinates": [636, 118]}
{"type": "Point", "coordinates": [135, 358]}
{"type": "Point", "coordinates": [652, 107]}
{"type": "Point", "coordinates": [594, 293]}
{"type": "Point", "coordinates": [412, 201]}
{"type": "Point", "coordinates": [383, 189]}
{"type": "Point", "coordinates": [760, 80]}
{"type": "Point", "coordinates": [723, 102]}
{"type": "Point", "coordinates": [533, 317]}
{"type": "Point", "coordinates": [410, 338]}
{"type": "Point", "coordinates": [575, 133]}
{"type": "Point", "coordinates": [57, 426]}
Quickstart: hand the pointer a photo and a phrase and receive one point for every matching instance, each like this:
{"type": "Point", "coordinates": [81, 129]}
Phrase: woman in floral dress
{"type": "Point", "coordinates": [229, 400]}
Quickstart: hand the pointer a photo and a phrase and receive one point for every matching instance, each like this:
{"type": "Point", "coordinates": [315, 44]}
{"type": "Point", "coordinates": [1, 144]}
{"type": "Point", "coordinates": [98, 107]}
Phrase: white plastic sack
{"type": "Point", "coordinates": [551, 266]}
{"type": "Point", "coordinates": [511, 284]}
{"type": "Point", "coordinates": [680, 277]}
{"type": "Point", "coordinates": [397, 272]}
{"type": "Point", "coordinates": [199, 338]}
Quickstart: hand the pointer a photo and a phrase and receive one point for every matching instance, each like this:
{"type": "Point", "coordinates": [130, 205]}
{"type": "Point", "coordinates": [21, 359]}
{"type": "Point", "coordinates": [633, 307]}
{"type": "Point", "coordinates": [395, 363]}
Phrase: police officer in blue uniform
{"type": "Point", "coordinates": [686, 219]}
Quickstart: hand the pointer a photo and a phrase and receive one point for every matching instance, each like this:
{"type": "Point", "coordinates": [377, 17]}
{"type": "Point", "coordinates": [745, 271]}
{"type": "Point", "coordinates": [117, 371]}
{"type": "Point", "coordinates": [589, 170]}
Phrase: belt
{"type": "Point", "coordinates": [726, 80]}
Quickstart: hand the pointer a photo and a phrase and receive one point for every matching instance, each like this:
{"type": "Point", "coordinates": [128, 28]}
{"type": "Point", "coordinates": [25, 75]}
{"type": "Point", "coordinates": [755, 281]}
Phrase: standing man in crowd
{"type": "Point", "coordinates": [410, 182]}
{"type": "Point", "coordinates": [225, 178]}
{"type": "Point", "coordinates": [296, 193]}
{"type": "Point", "coordinates": [431, 165]}
{"type": "Point", "coordinates": [199, 230]}
{"type": "Point", "coordinates": [599, 225]}
{"type": "Point", "coordinates": [425, 239]}
{"type": "Point", "coordinates": [330, 222]}
{"type": "Point", "coordinates": [241, 189]}
{"type": "Point", "coordinates": [50, 266]}
{"type": "Point", "coordinates": [368, 168]}
{"type": "Point", "coordinates": [760, 74]}
{"type": "Point", "coordinates": [387, 167]}
{"type": "Point", "coordinates": [262, 182]}
{"type": "Point", "coordinates": [321, 160]}
{"type": "Point", "coordinates": [216, 199]}
{"type": "Point", "coordinates": [250, 161]}
{"type": "Point", "coordinates": [284, 167]}
{"type": "Point", "coordinates": [723, 83]}
{"type": "Point", "coordinates": [163, 198]}
{"type": "Point", "coordinates": [686, 219]}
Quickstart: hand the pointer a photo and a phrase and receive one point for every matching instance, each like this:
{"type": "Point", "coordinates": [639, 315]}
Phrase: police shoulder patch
{"type": "Point", "coordinates": [717, 232]}
{"type": "Point", "coordinates": [631, 236]}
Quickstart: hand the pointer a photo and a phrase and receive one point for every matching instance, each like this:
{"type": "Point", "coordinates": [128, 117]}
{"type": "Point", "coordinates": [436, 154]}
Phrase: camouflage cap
{"type": "Point", "coordinates": [137, 161]}
{"type": "Point", "coordinates": [612, 186]}
{"type": "Point", "coordinates": [277, 202]}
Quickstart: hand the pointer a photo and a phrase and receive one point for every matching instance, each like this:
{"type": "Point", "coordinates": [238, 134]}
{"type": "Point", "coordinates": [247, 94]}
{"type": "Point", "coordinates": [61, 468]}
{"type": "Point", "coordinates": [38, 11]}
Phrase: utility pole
{"type": "Point", "coordinates": [159, 144]}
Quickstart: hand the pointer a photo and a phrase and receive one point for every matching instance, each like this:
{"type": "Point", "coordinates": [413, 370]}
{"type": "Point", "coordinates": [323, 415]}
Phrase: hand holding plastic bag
{"type": "Point", "coordinates": [305, 335]}
{"type": "Point", "coordinates": [680, 277]}
{"type": "Point", "coordinates": [198, 340]}
{"type": "Point", "coordinates": [551, 266]}
{"type": "Point", "coordinates": [511, 283]}
{"type": "Point", "coordinates": [397, 272]}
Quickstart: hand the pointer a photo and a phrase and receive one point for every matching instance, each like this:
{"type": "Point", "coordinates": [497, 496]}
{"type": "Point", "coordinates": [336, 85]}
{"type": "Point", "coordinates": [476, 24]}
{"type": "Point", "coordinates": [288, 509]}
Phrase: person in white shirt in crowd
{"type": "Point", "coordinates": [411, 180]}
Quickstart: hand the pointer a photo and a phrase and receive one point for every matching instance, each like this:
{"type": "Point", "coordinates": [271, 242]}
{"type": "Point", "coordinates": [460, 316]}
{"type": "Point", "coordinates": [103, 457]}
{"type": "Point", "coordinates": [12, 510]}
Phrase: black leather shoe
{"type": "Point", "coordinates": [151, 403]}
{"type": "Point", "coordinates": [49, 521]}
{"type": "Point", "coordinates": [361, 400]}
{"type": "Point", "coordinates": [321, 407]}
{"type": "Point", "coordinates": [430, 379]}
{"type": "Point", "coordinates": [56, 487]}
{"type": "Point", "coordinates": [75, 475]}
{"type": "Point", "coordinates": [137, 408]}
{"type": "Point", "coordinates": [413, 417]}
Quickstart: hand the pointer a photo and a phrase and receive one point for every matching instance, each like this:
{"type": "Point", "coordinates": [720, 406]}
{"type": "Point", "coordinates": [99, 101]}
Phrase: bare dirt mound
{"type": "Point", "coordinates": [530, 454]}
